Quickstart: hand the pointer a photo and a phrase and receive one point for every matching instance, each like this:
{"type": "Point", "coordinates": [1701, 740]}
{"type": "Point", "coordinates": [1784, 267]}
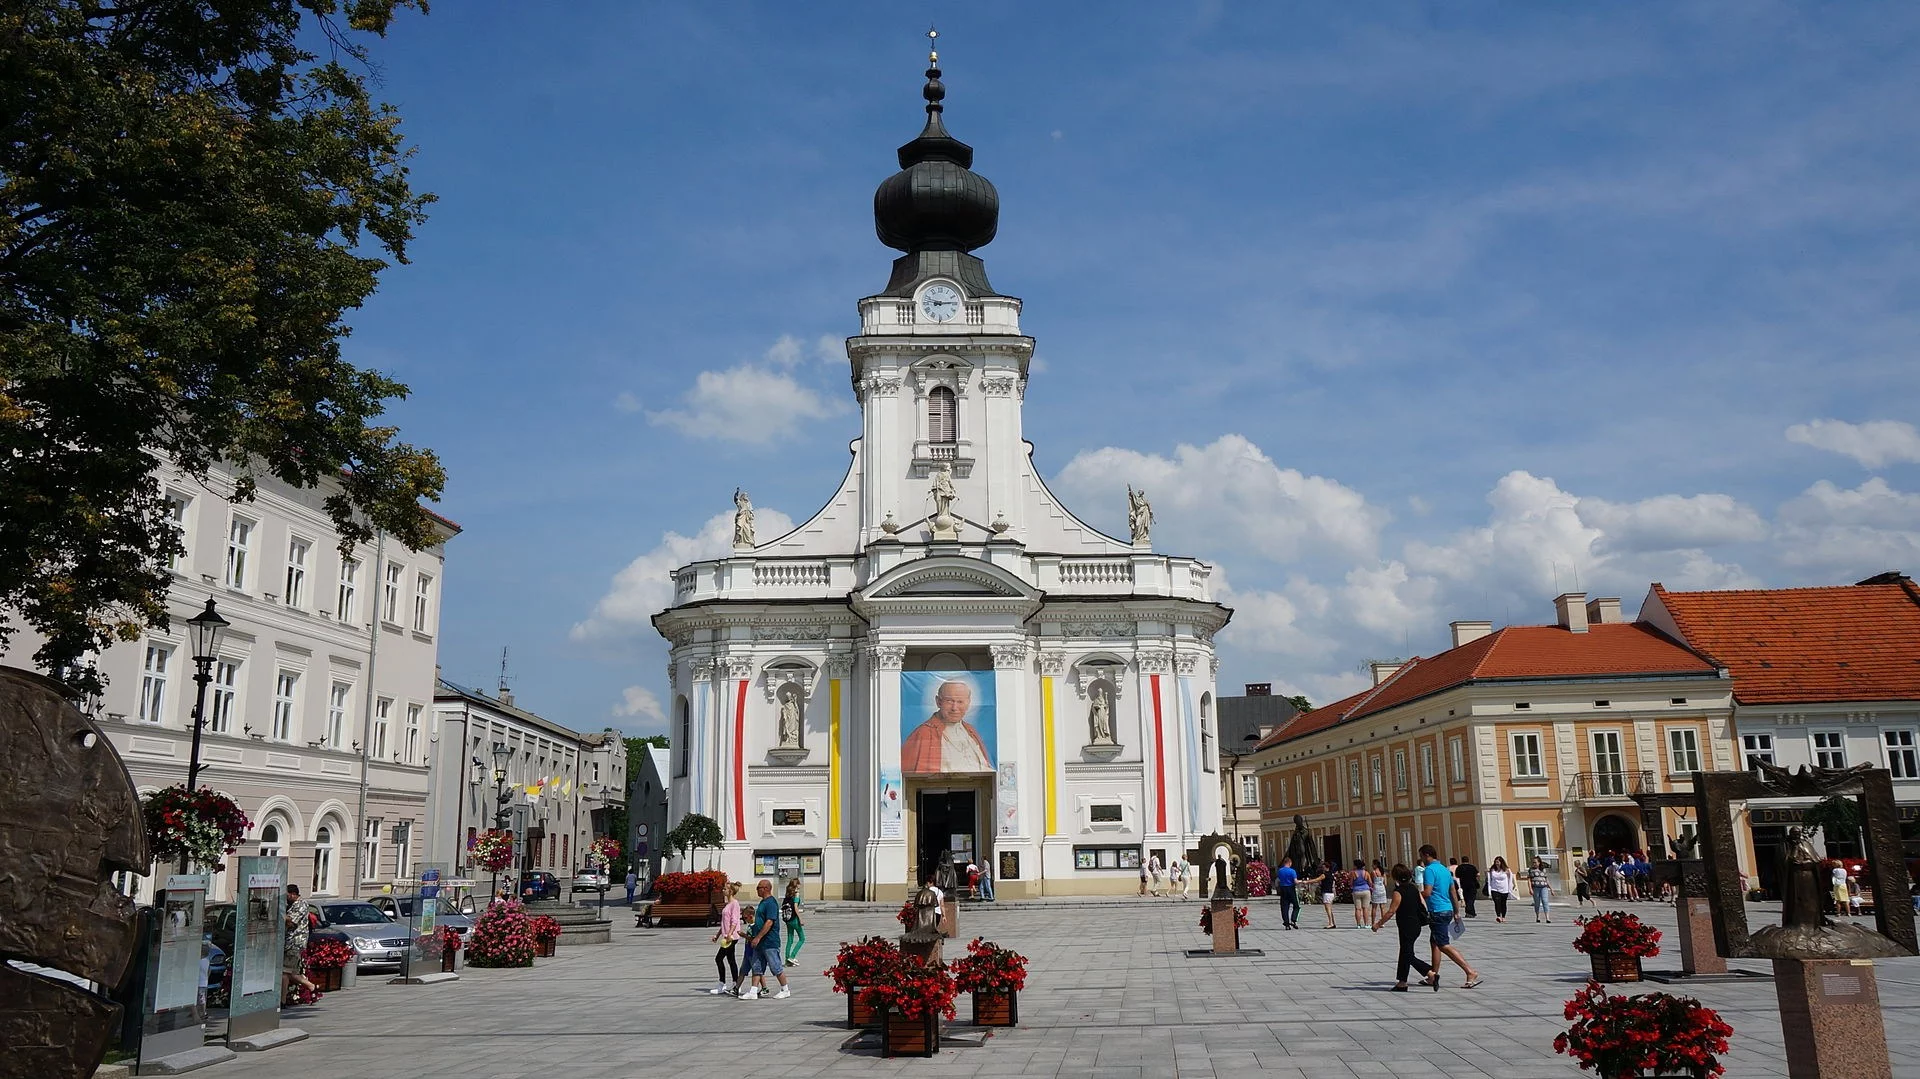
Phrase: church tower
{"type": "Point", "coordinates": [944, 664]}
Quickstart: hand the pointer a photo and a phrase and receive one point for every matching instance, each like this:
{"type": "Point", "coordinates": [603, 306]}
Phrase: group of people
{"type": "Point", "coordinates": [1175, 878]}
{"type": "Point", "coordinates": [1625, 876]}
{"type": "Point", "coordinates": [1432, 900]}
{"type": "Point", "coordinates": [758, 927]}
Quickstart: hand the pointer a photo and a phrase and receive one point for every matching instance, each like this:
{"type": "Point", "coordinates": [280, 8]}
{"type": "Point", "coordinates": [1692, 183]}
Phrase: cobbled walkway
{"type": "Point", "coordinates": [1111, 993]}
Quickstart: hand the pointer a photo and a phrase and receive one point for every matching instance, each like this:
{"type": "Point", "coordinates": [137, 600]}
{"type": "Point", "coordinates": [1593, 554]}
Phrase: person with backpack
{"type": "Point", "coordinates": [1408, 913]}
{"type": "Point", "coordinates": [790, 906]}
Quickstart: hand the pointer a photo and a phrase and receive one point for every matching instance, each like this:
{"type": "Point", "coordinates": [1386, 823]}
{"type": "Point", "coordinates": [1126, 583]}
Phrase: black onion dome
{"type": "Point", "coordinates": [936, 202]}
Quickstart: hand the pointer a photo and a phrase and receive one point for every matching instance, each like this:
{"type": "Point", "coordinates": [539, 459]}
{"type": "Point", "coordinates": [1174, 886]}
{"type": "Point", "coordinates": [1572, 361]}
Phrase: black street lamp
{"type": "Point", "coordinates": [205, 627]}
{"type": "Point", "coordinates": [503, 797]}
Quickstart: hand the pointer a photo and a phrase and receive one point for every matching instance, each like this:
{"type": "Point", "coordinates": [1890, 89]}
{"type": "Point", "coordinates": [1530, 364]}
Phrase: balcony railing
{"type": "Point", "coordinates": [1601, 786]}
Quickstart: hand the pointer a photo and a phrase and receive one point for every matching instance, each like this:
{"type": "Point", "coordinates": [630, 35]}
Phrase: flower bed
{"type": "Point", "coordinates": [1654, 1033]}
{"type": "Point", "coordinates": [1617, 933]}
{"type": "Point", "coordinates": [503, 937]}
{"type": "Point", "coordinates": [1206, 919]}
{"type": "Point", "coordinates": [203, 825]}
{"type": "Point", "coordinates": [493, 850]}
{"type": "Point", "coordinates": [690, 887]}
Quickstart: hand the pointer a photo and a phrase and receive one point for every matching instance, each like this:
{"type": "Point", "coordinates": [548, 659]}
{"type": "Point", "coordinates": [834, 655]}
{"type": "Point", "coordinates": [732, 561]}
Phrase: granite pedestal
{"type": "Point", "coordinates": [1830, 1016]}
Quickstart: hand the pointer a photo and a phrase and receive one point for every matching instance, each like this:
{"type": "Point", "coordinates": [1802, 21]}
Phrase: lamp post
{"type": "Point", "coordinates": [205, 627]}
{"type": "Point", "coordinates": [501, 753]}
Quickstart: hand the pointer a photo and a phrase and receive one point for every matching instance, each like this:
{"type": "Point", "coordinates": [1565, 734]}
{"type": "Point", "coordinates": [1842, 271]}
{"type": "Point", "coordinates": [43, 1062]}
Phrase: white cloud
{"type": "Point", "coordinates": [1672, 522]}
{"type": "Point", "coordinates": [830, 349]}
{"type": "Point", "coordinates": [785, 352]}
{"type": "Point", "coordinates": [640, 701]}
{"type": "Point", "coordinates": [1874, 444]}
{"type": "Point", "coordinates": [750, 404]}
{"type": "Point", "coordinates": [645, 586]}
{"type": "Point", "coordinates": [1852, 533]}
{"type": "Point", "coordinates": [626, 402]}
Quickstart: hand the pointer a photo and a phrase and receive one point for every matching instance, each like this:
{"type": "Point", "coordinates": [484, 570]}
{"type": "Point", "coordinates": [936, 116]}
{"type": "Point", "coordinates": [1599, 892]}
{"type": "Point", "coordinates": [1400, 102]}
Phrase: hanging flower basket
{"type": "Point", "coordinates": [1653, 1034]}
{"type": "Point", "coordinates": [994, 976]}
{"type": "Point", "coordinates": [493, 850]}
{"type": "Point", "coordinates": [603, 851]}
{"type": "Point", "coordinates": [203, 825]}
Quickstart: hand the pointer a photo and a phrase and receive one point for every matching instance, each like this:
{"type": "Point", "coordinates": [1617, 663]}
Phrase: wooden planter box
{"type": "Point", "coordinates": [903, 1037]}
{"type": "Point", "coordinates": [996, 1009]}
{"type": "Point", "coordinates": [449, 960]}
{"type": "Point", "coordinates": [544, 949]}
{"type": "Point", "coordinates": [1614, 967]}
{"type": "Point", "coordinates": [860, 1015]}
{"type": "Point", "coordinates": [327, 979]}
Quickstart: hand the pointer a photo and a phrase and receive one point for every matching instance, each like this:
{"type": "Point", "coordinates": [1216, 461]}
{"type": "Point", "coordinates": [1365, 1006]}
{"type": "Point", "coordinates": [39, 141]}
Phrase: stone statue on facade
{"type": "Point", "coordinates": [944, 496]}
{"type": "Point", "coordinates": [1100, 716]}
{"type": "Point", "coordinates": [1139, 516]}
{"type": "Point", "coordinates": [742, 519]}
{"type": "Point", "coordinates": [790, 721]}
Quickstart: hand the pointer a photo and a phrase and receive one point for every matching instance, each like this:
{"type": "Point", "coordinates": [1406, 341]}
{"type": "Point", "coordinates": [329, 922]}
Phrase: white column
{"type": "Point", "coordinates": [1010, 687]}
{"type": "Point", "coordinates": [886, 855]}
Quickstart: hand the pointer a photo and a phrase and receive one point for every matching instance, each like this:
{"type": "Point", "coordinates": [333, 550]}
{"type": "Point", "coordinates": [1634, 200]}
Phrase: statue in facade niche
{"type": "Point", "coordinates": [1139, 516]}
{"type": "Point", "coordinates": [790, 721]}
{"type": "Point", "coordinates": [742, 519]}
{"type": "Point", "coordinates": [944, 496]}
{"type": "Point", "coordinates": [1100, 716]}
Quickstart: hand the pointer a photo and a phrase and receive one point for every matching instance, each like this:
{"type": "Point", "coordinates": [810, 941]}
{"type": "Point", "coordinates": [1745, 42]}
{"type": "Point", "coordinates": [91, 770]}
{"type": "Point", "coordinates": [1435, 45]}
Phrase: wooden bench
{"type": "Point", "coordinates": [649, 914]}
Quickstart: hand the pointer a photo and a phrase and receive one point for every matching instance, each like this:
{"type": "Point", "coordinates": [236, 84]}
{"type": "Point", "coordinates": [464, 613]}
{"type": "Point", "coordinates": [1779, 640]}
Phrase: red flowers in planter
{"type": "Point", "coordinates": [328, 953]}
{"type": "Point", "coordinates": [989, 968]}
{"type": "Point", "coordinates": [862, 963]}
{"type": "Point", "coordinates": [203, 825]}
{"type": "Point", "coordinates": [439, 942]}
{"type": "Point", "coordinates": [1618, 933]}
{"type": "Point", "coordinates": [1259, 879]}
{"type": "Point", "coordinates": [913, 988]}
{"type": "Point", "coordinates": [493, 850]}
{"type": "Point", "coordinates": [690, 887]}
{"type": "Point", "coordinates": [502, 937]}
{"type": "Point", "coordinates": [905, 916]}
{"type": "Point", "coordinates": [1652, 1032]}
{"type": "Point", "coordinates": [1206, 919]}
{"type": "Point", "coordinates": [545, 928]}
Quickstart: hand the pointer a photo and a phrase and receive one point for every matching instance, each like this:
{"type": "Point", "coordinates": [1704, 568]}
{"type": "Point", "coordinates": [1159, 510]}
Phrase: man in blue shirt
{"type": "Point", "coordinates": [1287, 880]}
{"type": "Point", "coordinates": [1442, 893]}
{"type": "Point", "coordinates": [763, 947]}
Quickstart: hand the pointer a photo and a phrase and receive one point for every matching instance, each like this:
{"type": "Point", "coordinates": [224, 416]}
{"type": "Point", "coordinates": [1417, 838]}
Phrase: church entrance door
{"type": "Point", "coordinates": [948, 821]}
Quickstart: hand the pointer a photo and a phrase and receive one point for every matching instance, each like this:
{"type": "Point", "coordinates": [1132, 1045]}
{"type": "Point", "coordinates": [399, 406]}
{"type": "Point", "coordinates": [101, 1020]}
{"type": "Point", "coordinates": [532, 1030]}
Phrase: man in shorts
{"type": "Point", "coordinates": [763, 947]}
{"type": "Point", "coordinates": [1442, 893]}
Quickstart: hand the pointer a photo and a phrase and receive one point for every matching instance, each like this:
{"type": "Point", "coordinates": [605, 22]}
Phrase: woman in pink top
{"type": "Point", "coordinates": [730, 932]}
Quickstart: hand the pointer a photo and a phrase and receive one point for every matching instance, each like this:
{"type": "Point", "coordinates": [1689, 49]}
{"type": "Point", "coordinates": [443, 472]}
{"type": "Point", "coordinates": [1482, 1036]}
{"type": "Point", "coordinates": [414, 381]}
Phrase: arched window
{"type": "Point", "coordinates": [270, 840]}
{"type": "Point", "coordinates": [323, 853]}
{"type": "Point", "coordinates": [943, 416]}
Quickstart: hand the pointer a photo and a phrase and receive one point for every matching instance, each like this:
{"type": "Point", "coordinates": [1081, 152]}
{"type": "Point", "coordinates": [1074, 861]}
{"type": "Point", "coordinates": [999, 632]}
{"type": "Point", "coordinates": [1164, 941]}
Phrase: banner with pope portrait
{"type": "Point", "coordinates": [947, 723]}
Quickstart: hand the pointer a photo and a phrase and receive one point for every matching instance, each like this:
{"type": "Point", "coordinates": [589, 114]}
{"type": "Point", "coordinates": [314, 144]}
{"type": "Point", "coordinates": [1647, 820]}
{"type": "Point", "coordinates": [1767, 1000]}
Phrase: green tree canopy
{"type": "Point", "coordinates": [190, 203]}
{"type": "Point", "coordinates": [1837, 816]}
{"type": "Point", "coordinates": [694, 831]}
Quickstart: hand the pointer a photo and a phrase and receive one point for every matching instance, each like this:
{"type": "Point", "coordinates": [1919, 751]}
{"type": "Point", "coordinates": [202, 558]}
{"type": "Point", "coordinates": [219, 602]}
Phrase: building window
{"type": "Point", "coordinates": [1687, 830]}
{"type": "Point", "coordinates": [390, 606]}
{"type": "Point", "coordinates": [403, 850]}
{"type": "Point", "coordinates": [683, 742]}
{"type": "Point", "coordinates": [1757, 749]}
{"type": "Point", "coordinates": [1527, 763]}
{"type": "Point", "coordinates": [270, 840]}
{"type": "Point", "coordinates": [1315, 780]}
{"type": "Point", "coordinates": [1456, 761]}
{"type": "Point", "coordinates": [1399, 769]}
{"type": "Point", "coordinates": [153, 683]}
{"type": "Point", "coordinates": [410, 739]}
{"type": "Point", "coordinates": [1406, 846]}
{"type": "Point", "coordinates": [177, 506]}
{"type": "Point", "coordinates": [239, 543]}
{"type": "Point", "coordinates": [1353, 779]}
{"type": "Point", "coordinates": [1426, 766]}
{"type": "Point", "coordinates": [337, 714]}
{"type": "Point", "coordinates": [286, 697]}
{"type": "Point", "coordinates": [1902, 759]}
{"type": "Point", "coordinates": [1683, 750]}
{"type": "Point", "coordinates": [1108, 813]}
{"type": "Point", "coordinates": [1829, 749]}
{"type": "Point", "coordinates": [382, 717]}
{"type": "Point", "coordinates": [1608, 764]}
{"type": "Point", "coordinates": [226, 690]}
{"type": "Point", "coordinates": [1535, 842]}
{"type": "Point", "coordinates": [1378, 768]}
{"type": "Point", "coordinates": [1380, 845]}
{"type": "Point", "coordinates": [323, 860]}
{"type": "Point", "coordinates": [1209, 760]}
{"type": "Point", "coordinates": [345, 599]}
{"type": "Point", "coordinates": [1249, 791]}
{"type": "Point", "coordinates": [370, 850]}
{"type": "Point", "coordinates": [566, 851]}
{"type": "Point", "coordinates": [422, 601]}
{"type": "Point", "coordinates": [296, 593]}
{"type": "Point", "coordinates": [943, 416]}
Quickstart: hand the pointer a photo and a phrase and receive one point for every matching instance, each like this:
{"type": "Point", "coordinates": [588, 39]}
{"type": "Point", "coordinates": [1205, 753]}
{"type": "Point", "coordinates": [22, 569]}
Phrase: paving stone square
{"type": "Point", "coordinates": [1111, 993]}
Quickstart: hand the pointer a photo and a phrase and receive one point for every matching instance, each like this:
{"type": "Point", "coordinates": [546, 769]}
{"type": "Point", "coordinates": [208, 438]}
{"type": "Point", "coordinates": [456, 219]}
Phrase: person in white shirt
{"type": "Point", "coordinates": [1500, 887]}
{"type": "Point", "coordinates": [1153, 872]}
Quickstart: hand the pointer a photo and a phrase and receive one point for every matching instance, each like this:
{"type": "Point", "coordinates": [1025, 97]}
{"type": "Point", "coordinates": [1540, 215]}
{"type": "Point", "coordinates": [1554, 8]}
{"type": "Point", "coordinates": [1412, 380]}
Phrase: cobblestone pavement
{"type": "Point", "coordinates": [1111, 993]}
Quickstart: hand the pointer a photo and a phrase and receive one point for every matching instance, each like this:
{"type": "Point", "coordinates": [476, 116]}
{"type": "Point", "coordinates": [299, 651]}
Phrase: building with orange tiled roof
{"type": "Point", "coordinates": [1518, 742]}
{"type": "Point", "coordinates": [1828, 677]}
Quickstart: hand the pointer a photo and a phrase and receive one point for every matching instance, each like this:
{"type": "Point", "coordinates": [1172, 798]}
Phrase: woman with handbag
{"type": "Point", "coordinates": [1408, 913]}
{"type": "Point", "coordinates": [1500, 887]}
{"type": "Point", "coordinates": [725, 963]}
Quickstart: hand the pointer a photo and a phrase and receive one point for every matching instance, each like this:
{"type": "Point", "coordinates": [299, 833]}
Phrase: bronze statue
{"type": "Point", "coordinates": [926, 917]}
{"type": "Point", "coordinates": [1301, 847]}
{"type": "Point", "coordinates": [1222, 886]}
{"type": "Point", "coordinates": [69, 818]}
{"type": "Point", "coordinates": [944, 876]}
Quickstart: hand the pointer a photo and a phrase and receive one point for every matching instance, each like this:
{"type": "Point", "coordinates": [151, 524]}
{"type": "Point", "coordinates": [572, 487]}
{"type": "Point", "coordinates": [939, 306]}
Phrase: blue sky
{"type": "Point", "coordinates": [1402, 312]}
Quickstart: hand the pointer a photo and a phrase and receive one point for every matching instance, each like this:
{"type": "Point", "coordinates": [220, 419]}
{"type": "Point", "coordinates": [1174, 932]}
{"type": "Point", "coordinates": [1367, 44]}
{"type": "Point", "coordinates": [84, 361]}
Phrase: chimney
{"type": "Point", "coordinates": [1572, 609]}
{"type": "Point", "coordinates": [1465, 632]}
{"type": "Point", "coordinates": [506, 696]}
{"type": "Point", "coordinates": [1604, 611]}
{"type": "Point", "coordinates": [1384, 669]}
{"type": "Point", "coordinates": [1259, 689]}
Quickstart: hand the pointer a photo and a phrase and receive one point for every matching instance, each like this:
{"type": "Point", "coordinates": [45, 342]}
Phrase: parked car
{"type": "Point", "coordinates": [400, 909]}
{"type": "Point", "coordinates": [377, 939]}
{"type": "Point", "coordinates": [590, 880]}
{"type": "Point", "coordinates": [539, 884]}
{"type": "Point", "coordinates": [219, 924]}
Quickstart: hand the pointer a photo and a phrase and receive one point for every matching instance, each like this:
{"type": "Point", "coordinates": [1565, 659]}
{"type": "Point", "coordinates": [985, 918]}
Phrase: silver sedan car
{"type": "Point", "coordinates": [400, 909]}
{"type": "Point", "coordinates": [380, 941]}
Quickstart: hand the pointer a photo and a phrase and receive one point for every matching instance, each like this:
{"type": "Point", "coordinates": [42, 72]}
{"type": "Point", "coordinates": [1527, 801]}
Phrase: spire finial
{"type": "Point", "coordinates": [934, 91]}
{"type": "Point", "coordinates": [933, 54]}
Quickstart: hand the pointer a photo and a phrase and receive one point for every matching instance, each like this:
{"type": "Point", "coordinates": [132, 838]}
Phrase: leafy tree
{"type": "Point", "coordinates": [1301, 702]}
{"type": "Point", "coordinates": [1837, 816]}
{"type": "Point", "coordinates": [190, 204]}
{"type": "Point", "coordinates": [694, 832]}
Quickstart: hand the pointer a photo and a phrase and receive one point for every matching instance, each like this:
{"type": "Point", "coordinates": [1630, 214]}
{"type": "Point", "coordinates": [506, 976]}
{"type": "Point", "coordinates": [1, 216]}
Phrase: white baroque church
{"type": "Point", "coordinates": [944, 660]}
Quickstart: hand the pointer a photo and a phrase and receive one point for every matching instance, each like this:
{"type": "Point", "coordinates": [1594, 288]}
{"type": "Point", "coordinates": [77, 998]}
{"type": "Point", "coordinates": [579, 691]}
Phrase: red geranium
{"type": "Point", "coordinates": [545, 928]}
{"type": "Point", "coordinates": [328, 953]}
{"type": "Point", "coordinates": [493, 849]}
{"type": "Point", "coordinates": [1618, 933]}
{"type": "Point", "coordinates": [1653, 1032]}
{"type": "Point", "coordinates": [989, 968]}
{"type": "Point", "coordinates": [905, 916]}
{"type": "Point", "coordinates": [1240, 920]}
{"type": "Point", "coordinates": [686, 887]}
{"type": "Point", "coordinates": [204, 825]}
{"type": "Point", "coordinates": [913, 988]}
{"type": "Point", "coordinates": [502, 937]}
{"type": "Point", "coordinates": [863, 963]}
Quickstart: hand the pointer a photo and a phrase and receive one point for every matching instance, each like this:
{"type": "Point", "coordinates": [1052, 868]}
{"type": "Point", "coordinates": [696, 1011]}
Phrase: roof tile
{"type": "Point", "coordinates": [1803, 645]}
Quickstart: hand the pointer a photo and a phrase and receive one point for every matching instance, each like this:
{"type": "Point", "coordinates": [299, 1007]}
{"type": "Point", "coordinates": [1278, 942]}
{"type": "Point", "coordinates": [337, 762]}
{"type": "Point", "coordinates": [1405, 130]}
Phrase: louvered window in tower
{"type": "Point", "coordinates": [942, 416]}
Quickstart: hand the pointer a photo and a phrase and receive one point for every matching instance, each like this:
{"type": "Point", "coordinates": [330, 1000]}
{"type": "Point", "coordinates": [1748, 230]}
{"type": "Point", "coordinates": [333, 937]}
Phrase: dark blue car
{"type": "Point", "coordinates": [539, 884]}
